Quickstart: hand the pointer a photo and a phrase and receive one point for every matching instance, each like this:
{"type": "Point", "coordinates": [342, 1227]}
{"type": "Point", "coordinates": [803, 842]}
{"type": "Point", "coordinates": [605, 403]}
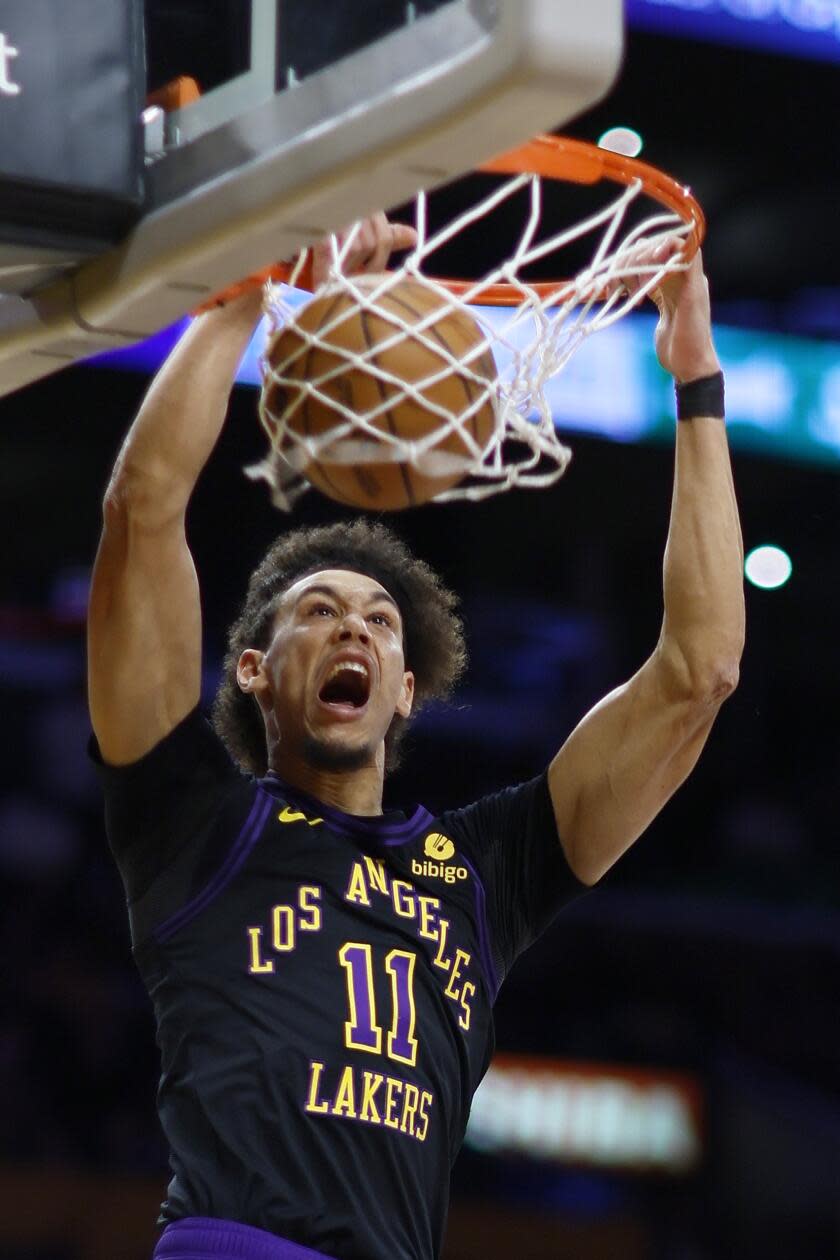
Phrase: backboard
{"type": "Point", "coordinates": [267, 162]}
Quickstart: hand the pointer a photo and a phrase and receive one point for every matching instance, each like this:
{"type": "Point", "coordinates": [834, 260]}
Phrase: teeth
{"type": "Point", "coordinates": [356, 666]}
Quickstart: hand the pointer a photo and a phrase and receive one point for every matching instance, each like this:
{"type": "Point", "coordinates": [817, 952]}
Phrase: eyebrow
{"type": "Point", "coordinates": [323, 588]}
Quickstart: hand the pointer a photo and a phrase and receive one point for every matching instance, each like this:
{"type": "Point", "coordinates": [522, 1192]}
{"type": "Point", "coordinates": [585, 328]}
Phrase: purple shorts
{"type": "Point", "coordinates": [205, 1238]}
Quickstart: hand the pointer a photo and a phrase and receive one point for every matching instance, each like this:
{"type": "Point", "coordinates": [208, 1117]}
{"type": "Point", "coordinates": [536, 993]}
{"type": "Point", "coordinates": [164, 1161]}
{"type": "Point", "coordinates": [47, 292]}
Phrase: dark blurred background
{"type": "Point", "coordinates": [711, 949]}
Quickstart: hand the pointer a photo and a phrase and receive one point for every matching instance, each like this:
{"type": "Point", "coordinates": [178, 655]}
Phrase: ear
{"type": "Point", "coordinates": [250, 674]}
{"type": "Point", "coordinates": [406, 698]}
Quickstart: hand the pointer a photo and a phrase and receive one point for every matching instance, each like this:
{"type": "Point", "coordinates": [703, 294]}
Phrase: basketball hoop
{"type": "Point", "coordinates": [542, 326]}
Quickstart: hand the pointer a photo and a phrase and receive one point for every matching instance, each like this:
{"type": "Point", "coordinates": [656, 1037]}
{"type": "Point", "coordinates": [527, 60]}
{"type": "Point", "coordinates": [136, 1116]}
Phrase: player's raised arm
{"type": "Point", "coordinates": [144, 620]}
{"type": "Point", "coordinates": [634, 749]}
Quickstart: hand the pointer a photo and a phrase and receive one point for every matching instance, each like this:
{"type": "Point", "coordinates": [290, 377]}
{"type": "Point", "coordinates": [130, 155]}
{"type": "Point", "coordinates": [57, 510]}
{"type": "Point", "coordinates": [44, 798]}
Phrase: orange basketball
{"type": "Point", "coordinates": [379, 484]}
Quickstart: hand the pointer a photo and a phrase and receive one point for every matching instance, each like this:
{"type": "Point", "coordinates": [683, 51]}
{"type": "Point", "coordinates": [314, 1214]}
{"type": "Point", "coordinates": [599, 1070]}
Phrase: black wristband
{"type": "Point", "coordinates": [703, 397]}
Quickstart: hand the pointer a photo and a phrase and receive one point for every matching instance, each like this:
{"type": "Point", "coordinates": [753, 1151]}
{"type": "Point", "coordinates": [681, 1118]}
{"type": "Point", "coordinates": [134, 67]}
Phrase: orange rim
{"type": "Point", "coordinates": [578, 162]}
{"type": "Point", "coordinates": [552, 157]}
{"type": "Point", "coordinates": [557, 157]}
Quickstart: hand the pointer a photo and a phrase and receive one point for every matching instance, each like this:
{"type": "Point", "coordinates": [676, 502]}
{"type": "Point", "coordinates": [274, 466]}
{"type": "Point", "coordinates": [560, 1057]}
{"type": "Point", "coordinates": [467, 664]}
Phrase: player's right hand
{"type": "Point", "coordinates": [369, 251]}
{"type": "Point", "coordinates": [683, 339]}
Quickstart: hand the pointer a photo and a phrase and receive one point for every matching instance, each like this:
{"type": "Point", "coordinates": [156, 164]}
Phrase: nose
{"type": "Point", "coordinates": [353, 627]}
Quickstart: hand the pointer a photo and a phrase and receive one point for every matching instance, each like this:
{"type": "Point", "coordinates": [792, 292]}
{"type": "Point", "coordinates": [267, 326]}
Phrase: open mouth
{"type": "Point", "coordinates": [347, 686]}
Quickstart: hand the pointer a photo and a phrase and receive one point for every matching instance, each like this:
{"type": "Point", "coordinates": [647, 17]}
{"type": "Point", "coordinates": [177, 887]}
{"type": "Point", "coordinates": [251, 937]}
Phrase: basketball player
{"type": "Point", "coordinates": [323, 973]}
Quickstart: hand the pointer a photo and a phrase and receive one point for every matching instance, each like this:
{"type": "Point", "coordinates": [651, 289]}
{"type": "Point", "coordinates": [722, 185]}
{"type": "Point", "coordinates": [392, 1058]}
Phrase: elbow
{"type": "Point", "coordinates": [719, 681]}
{"type": "Point", "coordinates": [141, 499]}
{"type": "Point", "coordinates": [115, 505]}
{"type": "Point", "coordinates": [702, 678]}
{"type": "Point", "coordinates": [713, 681]}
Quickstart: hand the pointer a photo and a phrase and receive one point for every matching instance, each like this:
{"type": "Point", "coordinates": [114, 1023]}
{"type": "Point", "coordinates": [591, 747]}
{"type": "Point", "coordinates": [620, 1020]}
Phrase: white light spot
{"type": "Point", "coordinates": [622, 140]}
{"type": "Point", "coordinates": [768, 567]}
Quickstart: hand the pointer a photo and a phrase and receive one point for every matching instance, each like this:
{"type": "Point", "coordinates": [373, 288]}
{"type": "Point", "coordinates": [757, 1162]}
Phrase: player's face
{"type": "Point", "coordinates": [335, 670]}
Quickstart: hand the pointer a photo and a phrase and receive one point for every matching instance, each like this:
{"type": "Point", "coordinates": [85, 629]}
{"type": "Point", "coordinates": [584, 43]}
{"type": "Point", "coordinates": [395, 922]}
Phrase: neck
{"type": "Point", "coordinates": [352, 791]}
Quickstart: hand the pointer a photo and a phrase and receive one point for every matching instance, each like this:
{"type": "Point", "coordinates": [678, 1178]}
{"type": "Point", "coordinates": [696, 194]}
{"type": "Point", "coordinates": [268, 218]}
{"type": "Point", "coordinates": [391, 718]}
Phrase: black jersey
{"type": "Point", "coordinates": [323, 987]}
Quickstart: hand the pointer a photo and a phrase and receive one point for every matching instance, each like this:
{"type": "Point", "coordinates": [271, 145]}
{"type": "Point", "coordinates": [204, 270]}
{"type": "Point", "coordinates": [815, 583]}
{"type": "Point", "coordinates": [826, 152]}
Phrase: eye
{"type": "Point", "coordinates": [321, 610]}
{"type": "Point", "coordinates": [381, 619]}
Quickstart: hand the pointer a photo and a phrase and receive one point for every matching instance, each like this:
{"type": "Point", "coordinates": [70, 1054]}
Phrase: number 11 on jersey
{"type": "Point", "coordinates": [361, 1030]}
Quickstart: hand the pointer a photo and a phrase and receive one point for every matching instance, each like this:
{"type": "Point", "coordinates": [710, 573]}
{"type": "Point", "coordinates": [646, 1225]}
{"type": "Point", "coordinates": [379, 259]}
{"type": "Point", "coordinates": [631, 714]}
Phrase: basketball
{"type": "Point", "coordinates": [340, 326]}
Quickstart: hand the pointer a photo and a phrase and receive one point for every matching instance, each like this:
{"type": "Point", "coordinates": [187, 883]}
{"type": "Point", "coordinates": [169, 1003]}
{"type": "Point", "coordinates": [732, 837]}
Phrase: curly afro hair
{"type": "Point", "coordinates": [433, 632]}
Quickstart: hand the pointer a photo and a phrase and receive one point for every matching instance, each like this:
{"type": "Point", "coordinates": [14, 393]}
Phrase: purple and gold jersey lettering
{"type": "Point", "coordinates": [323, 988]}
{"type": "Point", "coordinates": [285, 923]}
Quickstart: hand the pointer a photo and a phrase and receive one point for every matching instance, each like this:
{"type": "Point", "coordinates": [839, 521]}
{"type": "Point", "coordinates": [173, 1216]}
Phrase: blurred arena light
{"type": "Point", "coordinates": [768, 567]}
{"type": "Point", "coordinates": [622, 140]}
{"type": "Point", "coordinates": [600, 1115]}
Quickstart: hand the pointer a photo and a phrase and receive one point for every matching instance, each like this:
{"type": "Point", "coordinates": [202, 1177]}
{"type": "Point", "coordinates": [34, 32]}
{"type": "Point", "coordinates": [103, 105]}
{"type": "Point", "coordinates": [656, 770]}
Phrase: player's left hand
{"type": "Point", "coordinates": [370, 249]}
{"type": "Point", "coordinates": [683, 339]}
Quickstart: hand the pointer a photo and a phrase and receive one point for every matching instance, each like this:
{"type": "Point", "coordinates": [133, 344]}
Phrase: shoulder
{"type": "Point", "coordinates": [171, 791]}
{"type": "Point", "coordinates": [505, 815]}
{"type": "Point", "coordinates": [191, 743]}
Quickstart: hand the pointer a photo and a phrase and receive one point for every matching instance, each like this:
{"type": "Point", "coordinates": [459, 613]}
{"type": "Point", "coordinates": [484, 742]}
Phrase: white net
{"type": "Point", "coordinates": [530, 341]}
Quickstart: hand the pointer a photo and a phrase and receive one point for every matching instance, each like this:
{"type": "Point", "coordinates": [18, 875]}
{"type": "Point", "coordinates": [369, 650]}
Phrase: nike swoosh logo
{"type": "Point", "coordinates": [289, 815]}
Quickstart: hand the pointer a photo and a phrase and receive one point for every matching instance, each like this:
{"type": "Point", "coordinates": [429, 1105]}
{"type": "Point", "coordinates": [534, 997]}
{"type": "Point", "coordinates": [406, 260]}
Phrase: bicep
{"type": "Point", "coordinates": [144, 634]}
{"type": "Point", "coordinates": [622, 763]}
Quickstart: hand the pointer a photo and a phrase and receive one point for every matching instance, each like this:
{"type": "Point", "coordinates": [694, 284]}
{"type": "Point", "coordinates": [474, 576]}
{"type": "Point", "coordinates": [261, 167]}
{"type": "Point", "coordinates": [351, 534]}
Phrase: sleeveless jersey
{"type": "Point", "coordinates": [323, 987]}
